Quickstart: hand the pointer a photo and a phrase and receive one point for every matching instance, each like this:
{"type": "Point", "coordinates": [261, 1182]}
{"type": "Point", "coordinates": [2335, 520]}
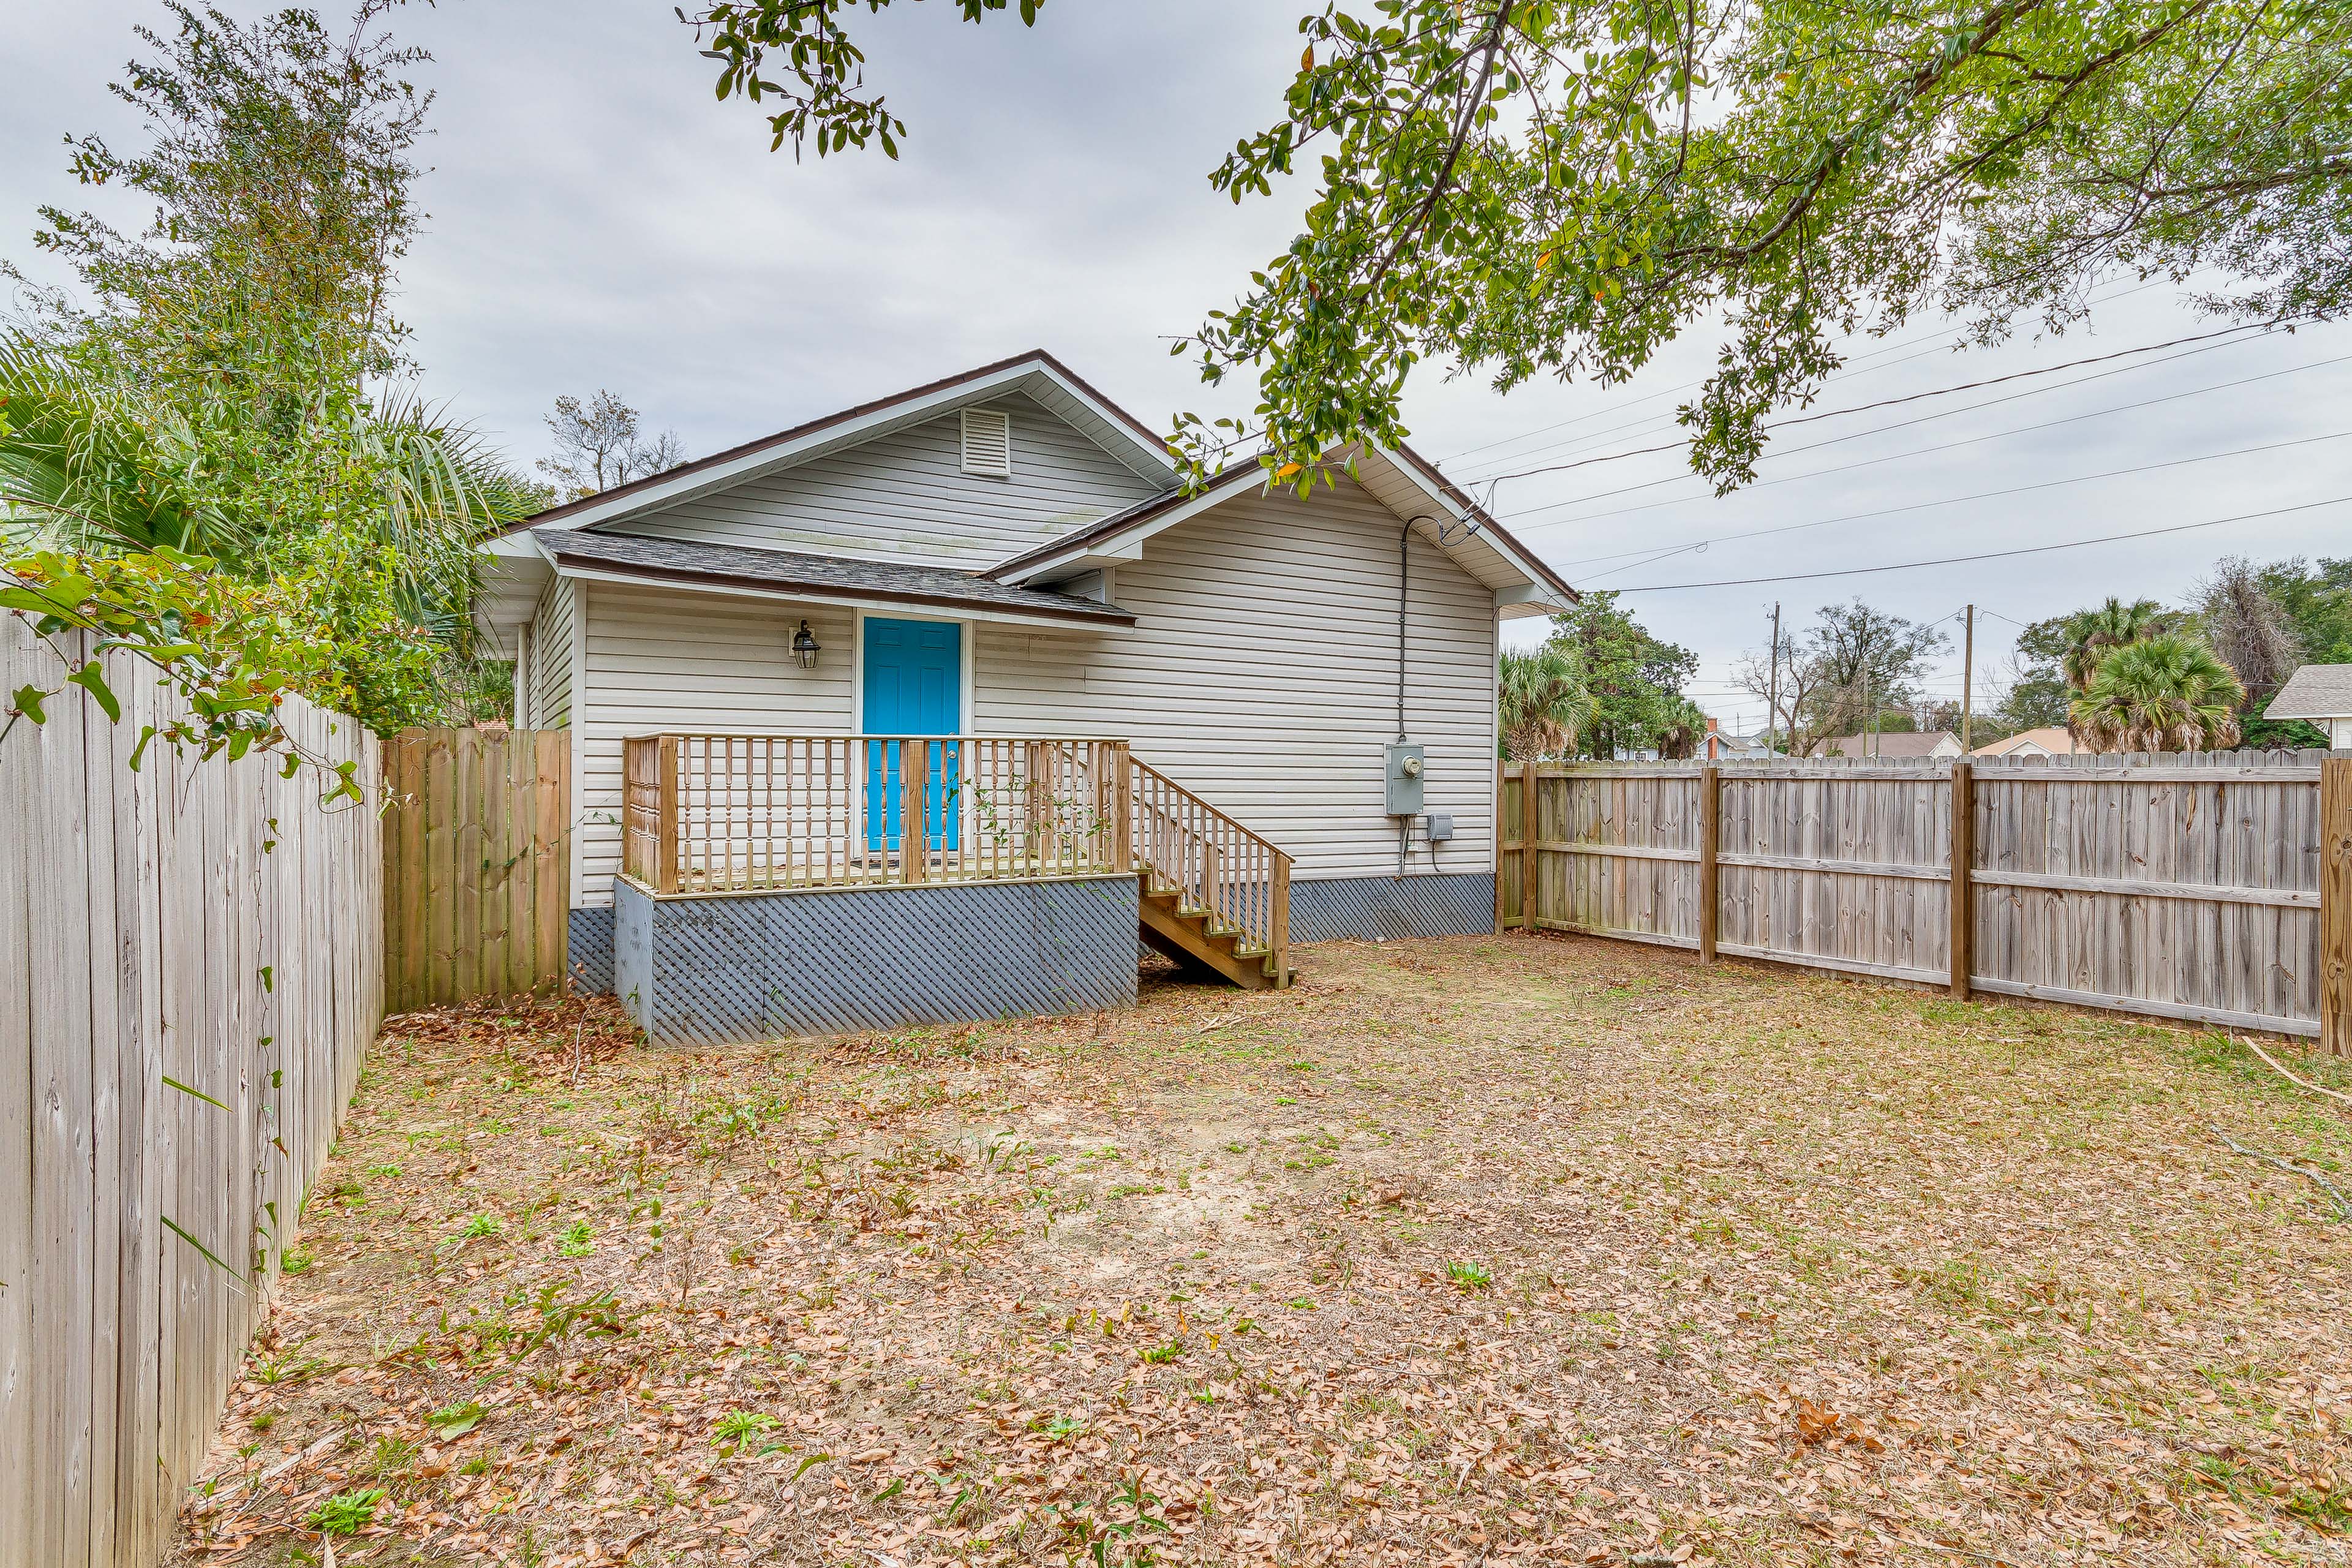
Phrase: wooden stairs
{"type": "Point", "coordinates": [1215, 895]}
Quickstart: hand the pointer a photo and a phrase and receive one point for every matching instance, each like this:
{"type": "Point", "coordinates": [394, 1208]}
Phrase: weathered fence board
{"type": "Point", "coordinates": [2180, 886]}
{"type": "Point", "coordinates": [476, 867]}
{"type": "Point", "coordinates": [205, 921]}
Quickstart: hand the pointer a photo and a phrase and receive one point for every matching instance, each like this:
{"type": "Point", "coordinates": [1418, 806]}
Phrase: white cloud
{"type": "Point", "coordinates": [599, 220]}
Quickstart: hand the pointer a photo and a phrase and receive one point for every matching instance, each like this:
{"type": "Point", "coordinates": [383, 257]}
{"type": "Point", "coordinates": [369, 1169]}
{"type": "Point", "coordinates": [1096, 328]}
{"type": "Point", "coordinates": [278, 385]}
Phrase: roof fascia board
{"type": "Point", "coordinates": [878, 603]}
{"type": "Point", "coordinates": [1487, 530]}
{"type": "Point", "coordinates": [788, 454]}
{"type": "Point", "coordinates": [1127, 544]}
{"type": "Point", "coordinates": [1157, 463]}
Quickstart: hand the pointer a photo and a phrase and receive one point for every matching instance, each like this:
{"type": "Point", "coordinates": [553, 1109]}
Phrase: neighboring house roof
{"type": "Point", "coordinates": [1037, 373]}
{"type": "Point", "coordinates": [813, 576]}
{"type": "Point", "coordinates": [1906, 745]}
{"type": "Point", "coordinates": [2050, 737]}
{"type": "Point", "coordinates": [2314, 691]}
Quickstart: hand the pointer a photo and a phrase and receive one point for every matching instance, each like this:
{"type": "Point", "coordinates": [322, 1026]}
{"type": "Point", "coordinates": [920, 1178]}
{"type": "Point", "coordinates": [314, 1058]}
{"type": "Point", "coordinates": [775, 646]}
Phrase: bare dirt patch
{"type": "Point", "coordinates": [1465, 1250]}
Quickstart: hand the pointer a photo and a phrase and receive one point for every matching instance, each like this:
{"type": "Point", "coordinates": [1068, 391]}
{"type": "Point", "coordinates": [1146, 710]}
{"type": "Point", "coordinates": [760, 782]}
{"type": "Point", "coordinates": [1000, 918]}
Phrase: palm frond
{"type": "Point", "coordinates": [87, 466]}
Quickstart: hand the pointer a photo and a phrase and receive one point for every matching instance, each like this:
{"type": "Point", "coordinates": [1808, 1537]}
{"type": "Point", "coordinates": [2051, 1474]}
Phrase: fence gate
{"type": "Point", "coordinates": [477, 862]}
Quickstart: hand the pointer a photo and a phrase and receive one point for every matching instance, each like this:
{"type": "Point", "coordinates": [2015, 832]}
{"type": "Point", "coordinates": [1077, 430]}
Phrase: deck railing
{"type": "Point", "coordinates": [712, 814]}
{"type": "Point", "coordinates": [720, 813]}
{"type": "Point", "coordinates": [1213, 863]}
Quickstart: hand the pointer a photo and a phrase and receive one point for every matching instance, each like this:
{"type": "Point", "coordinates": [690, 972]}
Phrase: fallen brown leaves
{"type": "Point", "coordinates": [1465, 1252]}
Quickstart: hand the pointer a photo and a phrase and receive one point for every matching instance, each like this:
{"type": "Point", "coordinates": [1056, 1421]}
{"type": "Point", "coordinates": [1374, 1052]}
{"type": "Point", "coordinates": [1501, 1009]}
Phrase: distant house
{"type": "Point", "coordinates": [1908, 746]}
{"type": "Point", "coordinates": [2049, 741]}
{"type": "Point", "coordinates": [1722, 746]}
{"type": "Point", "coordinates": [2318, 694]}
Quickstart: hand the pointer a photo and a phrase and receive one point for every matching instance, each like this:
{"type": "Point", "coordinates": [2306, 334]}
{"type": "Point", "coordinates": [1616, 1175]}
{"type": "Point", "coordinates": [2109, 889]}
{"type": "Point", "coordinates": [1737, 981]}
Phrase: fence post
{"type": "Point", "coordinates": [1963, 862]}
{"type": "Point", "coordinates": [1502, 913]}
{"type": "Point", "coordinates": [670, 829]}
{"type": "Point", "coordinates": [1529, 857]}
{"type": "Point", "coordinates": [1710, 840]}
{"type": "Point", "coordinates": [2336, 906]}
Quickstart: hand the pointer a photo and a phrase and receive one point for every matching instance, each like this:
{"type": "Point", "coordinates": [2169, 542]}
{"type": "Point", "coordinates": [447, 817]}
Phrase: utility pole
{"type": "Point", "coordinates": [1968, 678]}
{"type": "Point", "coordinates": [1772, 703]}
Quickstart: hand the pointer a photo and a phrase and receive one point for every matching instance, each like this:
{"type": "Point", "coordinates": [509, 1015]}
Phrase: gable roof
{"type": "Point", "coordinates": [1400, 479]}
{"type": "Point", "coordinates": [1037, 373]}
{"type": "Point", "coordinates": [2051, 738]}
{"type": "Point", "coordinates": [823, 577]}
{"type": "Point", "coordinates": [2314, 691]}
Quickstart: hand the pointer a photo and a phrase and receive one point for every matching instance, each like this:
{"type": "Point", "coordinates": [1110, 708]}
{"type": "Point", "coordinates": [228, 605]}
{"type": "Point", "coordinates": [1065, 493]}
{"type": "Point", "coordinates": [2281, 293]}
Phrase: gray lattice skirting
{"type": "Point", "coordinates": [759, 967]}
{"type": "Point", "coordinates": [1386, 908]}
{"type": "Point", "coordinates": [590, 961]}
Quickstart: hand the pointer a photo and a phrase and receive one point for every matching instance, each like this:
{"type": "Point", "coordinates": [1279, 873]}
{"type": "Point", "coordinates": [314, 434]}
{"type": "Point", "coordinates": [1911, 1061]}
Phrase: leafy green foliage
{"type": "Point", "coordinates": [347, 1513]}
{"type": "Point", "coordinates": [208, 397]}
{"type": "Point", "coordinates": [1545, 703]}
{"type": "Point", "coordinates": [737, 1428]}
{"type": "Point", "coordinates": [2092, 635]}
{"type": "Point", "coordinates": [1633, 680]}
{"type": "Point", "coordinates": [1563, 186]}
{"type": "Point", "coordinates": [1469, 1276]}
{"type": "Point", "coordinates": [823, 86]}
{"type": "Point", "coordinates": [231, 651]}
{"type": "Point", "coordinates": [453, 1422]}
{"type": "Point", "coordinates": [2163, 693]}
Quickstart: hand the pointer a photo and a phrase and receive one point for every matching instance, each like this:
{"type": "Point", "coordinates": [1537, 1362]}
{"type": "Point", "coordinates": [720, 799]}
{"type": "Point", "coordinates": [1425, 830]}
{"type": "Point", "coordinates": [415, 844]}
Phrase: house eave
{"type": "Point", "coordinates": [1036, 373]}
{"type": "Point", "coordinates": [883, 601]}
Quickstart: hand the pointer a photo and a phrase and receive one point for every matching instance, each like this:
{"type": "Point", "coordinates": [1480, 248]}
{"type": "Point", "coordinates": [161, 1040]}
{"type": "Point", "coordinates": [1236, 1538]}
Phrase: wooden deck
{"type": "Point", "coordinates": [713, 815]}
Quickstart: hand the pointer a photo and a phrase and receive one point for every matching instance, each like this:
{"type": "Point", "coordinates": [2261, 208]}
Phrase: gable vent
{"type": "Point", "coordinates": [988, 443]}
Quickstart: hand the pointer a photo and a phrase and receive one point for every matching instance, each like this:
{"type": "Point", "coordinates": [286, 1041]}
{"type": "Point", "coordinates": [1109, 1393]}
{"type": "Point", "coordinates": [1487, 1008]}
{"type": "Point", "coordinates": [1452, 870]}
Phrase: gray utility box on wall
{"type": "Point", "coordinates": [1404, 767]}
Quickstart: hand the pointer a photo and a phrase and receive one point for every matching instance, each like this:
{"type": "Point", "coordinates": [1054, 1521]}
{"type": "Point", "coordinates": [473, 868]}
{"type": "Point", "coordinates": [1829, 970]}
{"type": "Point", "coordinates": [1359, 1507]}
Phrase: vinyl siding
{"type": "Point", "coordinates": [904, 496]}
{"type": "Point", "coordinates": [1262, 677]}
{"type": "Point", "coordinates": [659, 659]}
{"type": "Point", "coordinates": [550, 656]}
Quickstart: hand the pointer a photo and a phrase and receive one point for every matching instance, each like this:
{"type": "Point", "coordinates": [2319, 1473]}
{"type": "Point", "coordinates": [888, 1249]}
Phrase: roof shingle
{"type": "Point", "coordinates": [819, 576]}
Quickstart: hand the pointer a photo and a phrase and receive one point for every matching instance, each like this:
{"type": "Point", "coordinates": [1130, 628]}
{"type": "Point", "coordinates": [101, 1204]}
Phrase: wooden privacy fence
{"type": "Point", "coordinates": [200, 923]}
{"type": "Point", "coordinates": [2213, 888]}
{"type": "Point", "coordinates": [477, 864]}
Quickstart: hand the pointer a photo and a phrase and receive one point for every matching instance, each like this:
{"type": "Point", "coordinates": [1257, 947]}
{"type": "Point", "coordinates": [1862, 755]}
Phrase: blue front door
{"type": "Point", "coordinates": [914, 686]}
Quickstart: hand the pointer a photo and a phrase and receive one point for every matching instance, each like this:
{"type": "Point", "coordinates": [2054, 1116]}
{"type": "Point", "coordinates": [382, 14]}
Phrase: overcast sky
{"type": "Point", "coordinates": [599, 221]}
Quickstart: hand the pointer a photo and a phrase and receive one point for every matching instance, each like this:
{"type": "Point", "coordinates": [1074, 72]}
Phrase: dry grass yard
{"type": "Point", "coordinates": [1478, 1250]}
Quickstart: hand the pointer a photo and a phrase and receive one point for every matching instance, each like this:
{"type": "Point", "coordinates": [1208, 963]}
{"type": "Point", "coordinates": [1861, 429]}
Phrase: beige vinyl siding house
{"type": "Point", "coordinates": [1265, 654]}
{"type": "Point", "coordinates": [1242, 641]}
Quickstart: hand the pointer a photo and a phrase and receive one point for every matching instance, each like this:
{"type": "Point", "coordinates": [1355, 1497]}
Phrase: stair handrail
{"type": "Point", "coordinates": [1239, 879]}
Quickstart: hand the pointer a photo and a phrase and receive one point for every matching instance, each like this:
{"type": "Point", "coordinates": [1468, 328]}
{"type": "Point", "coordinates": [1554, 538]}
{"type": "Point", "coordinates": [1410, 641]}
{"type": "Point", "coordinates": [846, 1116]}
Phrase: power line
{"type": "Point", "coordinates": [1921, 506]}
{"type": "Point", "coordinates": [1925, 418]}
{"type": "Point", "coordinates": [1853, 368]}
{"type": "Point", "coordinates": [1916, 452]}
{"type": "Point", "coordinates": [1991, 554]}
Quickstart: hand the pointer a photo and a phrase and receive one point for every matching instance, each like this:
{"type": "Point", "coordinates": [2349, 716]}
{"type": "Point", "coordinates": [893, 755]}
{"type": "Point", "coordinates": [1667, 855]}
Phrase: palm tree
{"type": "Point", "coordinates": [1545, 703]}
{"type": "Point", "coordinates": [89, 468]}
{"type": "Point", "coordinates": [2164, 693]}
{"type": "Point", "coordinates": [2093, 634]}
{"type": "Point", "coordinates": [1679, 732]}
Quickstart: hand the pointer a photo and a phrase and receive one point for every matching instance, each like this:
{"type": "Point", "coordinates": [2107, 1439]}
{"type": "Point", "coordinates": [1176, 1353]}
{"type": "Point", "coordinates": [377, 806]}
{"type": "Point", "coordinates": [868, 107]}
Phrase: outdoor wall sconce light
{"type": "Point", "coordinates": [805, 647]}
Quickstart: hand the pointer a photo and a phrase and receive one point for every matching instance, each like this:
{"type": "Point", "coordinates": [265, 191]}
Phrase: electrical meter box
{"type": "Point", "coordinates": [1404, 767]}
